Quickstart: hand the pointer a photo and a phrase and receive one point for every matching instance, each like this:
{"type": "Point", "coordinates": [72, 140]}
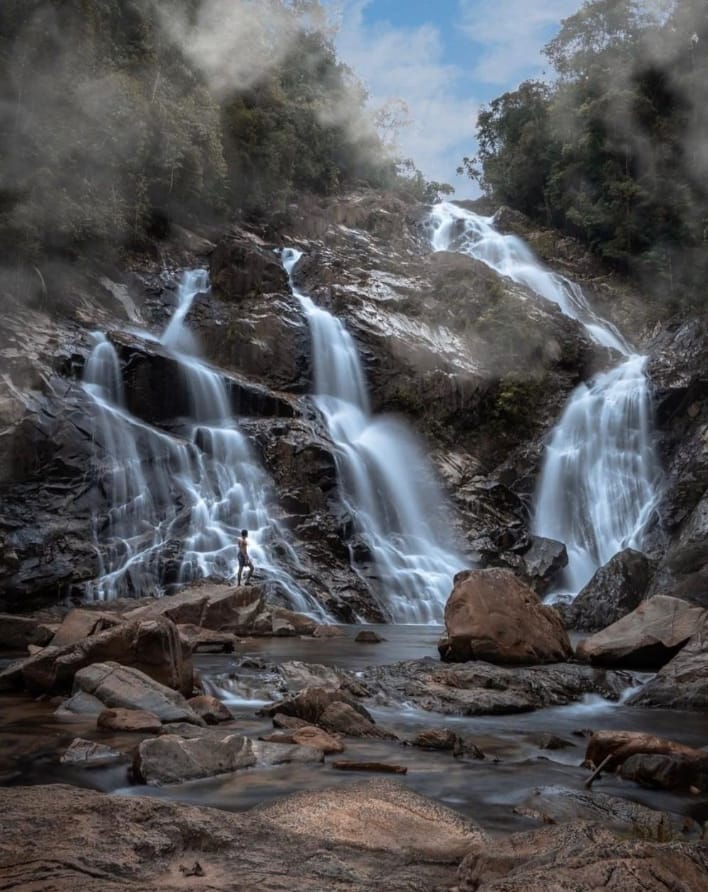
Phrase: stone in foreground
{"type": "Point", "coordinates": [578, 857]}
{"type": "Point", "coordinates": [362, 837]}
{"type": "Point", "coordinates": [493, 616]}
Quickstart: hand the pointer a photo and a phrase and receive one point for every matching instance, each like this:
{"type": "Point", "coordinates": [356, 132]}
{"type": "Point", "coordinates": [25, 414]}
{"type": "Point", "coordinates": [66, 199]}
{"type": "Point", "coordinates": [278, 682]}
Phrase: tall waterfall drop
{"type": "Point", "coordinates": [599, 483]}
{"type": "Point", "coordinates": [385, 479]}
{"type": "Point", "coordinates": [177, 504]}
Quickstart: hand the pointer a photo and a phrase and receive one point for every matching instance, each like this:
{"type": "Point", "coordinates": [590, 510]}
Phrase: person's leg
{"type": "Point", "coordinates": [240, 571]}
{"type": "Point", "coordinates": [249, 572]}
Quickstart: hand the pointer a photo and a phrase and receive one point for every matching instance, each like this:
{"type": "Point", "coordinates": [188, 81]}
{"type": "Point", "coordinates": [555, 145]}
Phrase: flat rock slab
{"type": "Point", "coordinates": [646, 638]}
{"type": "Point", "coordinates": [480, 688]}
{"type": "Point", "coordinates": [329, 843]}
{"type": "Point", "coordinates": [80, 623]}
{"type": "Point", "coordinates": [129, 720]}
{"type": "Point", "coordinates": [377, 814]}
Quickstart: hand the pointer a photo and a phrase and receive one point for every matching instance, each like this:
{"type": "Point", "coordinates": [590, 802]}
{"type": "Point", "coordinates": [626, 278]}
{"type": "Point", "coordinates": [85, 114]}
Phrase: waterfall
{"type": "Point", "coordinates": [177, 505]}
{"type": "Point", "coordinates": [599, 482]}
{"type": "Point", "coordinates": [385, 479]}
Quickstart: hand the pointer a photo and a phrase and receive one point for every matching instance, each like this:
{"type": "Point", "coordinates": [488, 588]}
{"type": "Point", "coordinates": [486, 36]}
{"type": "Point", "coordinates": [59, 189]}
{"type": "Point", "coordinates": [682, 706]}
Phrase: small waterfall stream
{"type": "Point", "coordinates": [177, 505]}
{"type": "Point", "coordinates": [600, 477]}
{"type": "Point", "coordinates": [385, 479]}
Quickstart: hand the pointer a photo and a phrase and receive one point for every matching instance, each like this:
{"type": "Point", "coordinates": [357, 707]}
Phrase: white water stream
{"type": "Point", "coordinates": [385, 479]}
{"type": "Point", "coordinates": [177, 506]}
{"type": "Point", "coordinates": [600, 477]}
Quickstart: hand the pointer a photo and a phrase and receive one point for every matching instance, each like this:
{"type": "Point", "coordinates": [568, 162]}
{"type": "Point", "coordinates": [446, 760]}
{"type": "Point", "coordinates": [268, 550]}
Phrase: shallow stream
{"type": "Point", "coordinates": [32, 740]}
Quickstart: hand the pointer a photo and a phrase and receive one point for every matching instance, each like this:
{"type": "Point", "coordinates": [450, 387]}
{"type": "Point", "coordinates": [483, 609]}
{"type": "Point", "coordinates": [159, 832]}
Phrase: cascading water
{"type": "Point", "coordinates": [599, 483]}
{"type": "Point", "coordinates": [385, 480]}
{"type": "Point", "coordinates": [177, 506]}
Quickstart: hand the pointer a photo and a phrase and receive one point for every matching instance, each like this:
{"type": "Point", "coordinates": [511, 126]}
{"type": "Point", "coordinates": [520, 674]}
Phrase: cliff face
{"type": "Point", "coordinates": [477, 365]}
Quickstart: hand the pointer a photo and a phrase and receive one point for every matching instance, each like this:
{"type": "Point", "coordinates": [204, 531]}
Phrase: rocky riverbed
{"type": "Point", "coordinates": [279, 721]}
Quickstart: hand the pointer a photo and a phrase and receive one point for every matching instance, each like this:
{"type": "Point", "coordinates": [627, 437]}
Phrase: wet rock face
{"type": "Point", "coordinates": [683, 682]}
{"type": "Point", "coordinates": [492, 616]}
{"type": "Point", "coordinates": [677, 368]}
{"type": "Point", "coordinates": [613, 592]}
{"type": "Point", "coordinates": [479, 366]}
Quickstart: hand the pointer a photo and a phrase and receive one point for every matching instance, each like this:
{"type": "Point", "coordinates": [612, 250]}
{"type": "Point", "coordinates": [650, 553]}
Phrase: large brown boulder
{"type": "Point", "coordinates": [647, 638]}
{"type": "Point", "coordinates": [152, 646]}
{"type": "Point", "coordinates": [491, 615]}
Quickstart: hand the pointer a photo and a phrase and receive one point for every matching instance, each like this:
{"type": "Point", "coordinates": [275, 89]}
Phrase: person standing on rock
{"type": "Point", "coordinates": [243, 558]}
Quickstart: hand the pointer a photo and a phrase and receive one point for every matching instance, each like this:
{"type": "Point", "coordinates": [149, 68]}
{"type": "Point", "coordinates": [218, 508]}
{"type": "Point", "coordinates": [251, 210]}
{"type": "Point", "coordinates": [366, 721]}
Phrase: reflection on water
{"type": "Point", "coordinates": [31, 741]}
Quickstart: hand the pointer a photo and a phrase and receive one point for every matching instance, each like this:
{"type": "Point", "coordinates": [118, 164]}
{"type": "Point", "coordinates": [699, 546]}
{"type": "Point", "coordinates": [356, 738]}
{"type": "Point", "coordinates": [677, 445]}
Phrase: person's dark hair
{"type": "Point", "coordinates": [244, 533]}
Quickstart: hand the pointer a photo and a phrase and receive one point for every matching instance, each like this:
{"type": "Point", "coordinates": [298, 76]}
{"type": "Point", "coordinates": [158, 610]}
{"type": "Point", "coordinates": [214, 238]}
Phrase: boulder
{"type": "Point", "coordinates": [368, 636]}
{"type": "Point", "coordinates": [172, 759]}
{"type": "Point", "coordinates": [618, 746]}
{"type": "Point", "coordinates": [310, 702]}
{"type": "Point", "coordinates": [89, 753]}
{"type": "Point", "coordinates": [125, 687]}
{"type": "Point", "coordinates": [581, 857]}
{"type": "Point", "coordinates": [210, 709]}
{"type": "Point", "coordinates": [79, 704]}
{"type": "Point", "coordinates": [205, 640]}
{"type": "Point", "coordinates": [563, 805]}
{"type": "Point", "coordinates": [18, 632]}
{"type": "Point", "coordinates": [542, 562]}
{"type": "Point", "coordinates": [683, 682]}
{"type": "Point", "coordinates": [668, 772]}
{"type": "Point", "coordinates": [647, 638]}
{"type": "Point", "coordinates": [80, 623]}
{"type": "Point", "coordinates": [317, 738]}
{"type": "Point", "coordinates": [437, 739]}
{"type": "Point", "coordinates": [491, 615]}
{"type": "Point", "coordinates": [344, 719]}
{"type": "Point", "coordinates": [128, 720]}
{"type": "Point", "coordinates": [615, 590]}
{"type": "Point", "coordinates": [152, 646]}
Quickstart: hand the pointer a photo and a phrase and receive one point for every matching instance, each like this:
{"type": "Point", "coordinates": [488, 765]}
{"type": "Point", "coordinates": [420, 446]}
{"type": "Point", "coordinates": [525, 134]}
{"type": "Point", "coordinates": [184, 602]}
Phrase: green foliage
{"type": "Point", "coordinates": [613, 152]}
{"type": "Point", "coordinates": [111, 126]}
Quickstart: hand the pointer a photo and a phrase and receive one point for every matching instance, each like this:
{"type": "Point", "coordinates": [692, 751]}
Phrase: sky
{"type": "Point", "coordinates": [445, 58]}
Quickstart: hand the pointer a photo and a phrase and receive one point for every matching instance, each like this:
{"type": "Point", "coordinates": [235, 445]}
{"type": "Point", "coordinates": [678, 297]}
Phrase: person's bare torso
{"type": "Point", "coordinates": [243, 546]}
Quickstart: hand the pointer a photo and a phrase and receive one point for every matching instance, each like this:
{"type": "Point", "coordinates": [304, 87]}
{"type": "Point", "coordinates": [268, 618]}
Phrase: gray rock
{"type": "Point", "coordinates": [613, 592]}
{"type": "Point", "coordinates": [128, 688]}
{"type": "Point", "coordinates": [79, 704]}
{"type": "Point", "coordinates": [683, 682]}
{"type": "Point", "coordinates": [17, 632]}
{"type": "Point", "coordinates": [89, 753]}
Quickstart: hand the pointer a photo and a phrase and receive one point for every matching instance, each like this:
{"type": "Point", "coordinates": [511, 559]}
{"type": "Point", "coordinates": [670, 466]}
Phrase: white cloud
{"type": "Point", "coordinates": [409, 64]}
{"type": "Point", "coordinates": [511, 34]}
